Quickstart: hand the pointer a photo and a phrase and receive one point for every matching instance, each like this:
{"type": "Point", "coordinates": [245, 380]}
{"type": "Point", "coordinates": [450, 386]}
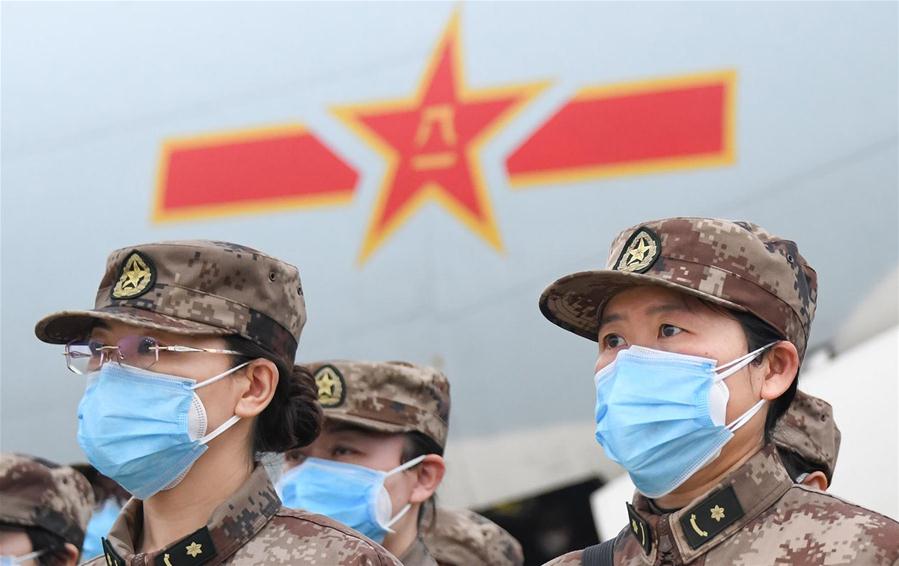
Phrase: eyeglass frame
{"type": "Point", "coordinates": [157, 348]}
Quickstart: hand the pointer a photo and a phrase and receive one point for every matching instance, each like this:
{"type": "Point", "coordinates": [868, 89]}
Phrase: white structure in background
{"type": "Point", "coordinates": [861, 384]}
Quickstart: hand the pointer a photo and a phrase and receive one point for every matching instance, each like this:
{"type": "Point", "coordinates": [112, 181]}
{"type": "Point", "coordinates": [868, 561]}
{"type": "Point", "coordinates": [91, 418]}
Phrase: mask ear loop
{"type": "Point", "coordinates": [745, 417]}
{"type": "Point", "coordinates": [731, 368]}
{"type": "Point", "coordinates": [29, 556]}
{"type": "Point", "coordinates": [410, 464]}
{"type": "Point", "coordinates": [234, 418]}
{"type": "Point", "coordinates": [397, 517]}
{"type": "Point", "coordinates": [402, 468]}
{"type": "Point", "coordinates": [734, 366]}
{"type": "Point", "coordinates": [219, 377]}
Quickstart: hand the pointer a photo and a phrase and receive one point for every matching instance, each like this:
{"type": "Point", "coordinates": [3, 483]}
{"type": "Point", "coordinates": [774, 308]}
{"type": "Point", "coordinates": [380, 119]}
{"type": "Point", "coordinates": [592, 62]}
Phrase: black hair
{"type": "Point", "coordinates": [55, 546]}
{"type": "Point", "coordinates": [419, 444]}
{"type": "Point", "coordinates": [759, 333]}
{"type": "Point", "coordinates": [293, 418]}
{"type": "Point", "coordinates": [104, 487]}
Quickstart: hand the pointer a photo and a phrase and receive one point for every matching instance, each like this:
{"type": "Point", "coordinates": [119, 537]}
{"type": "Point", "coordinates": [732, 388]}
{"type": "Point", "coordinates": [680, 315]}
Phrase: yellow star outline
{"type": "Point", "coordinates": [641, 249]}
{"type": "Point", "coordinates": [193, 549]}
{"type": "Point", "coordinates": [478, 217]}
{"type": "Point", "coordinates": [717, 513]}
{"type": "Point", "coordinates": [634, 525]}
{"type": "Point", "coordinates": [135, 272]}
{"type": "Point", "coordinates": [326, 385]}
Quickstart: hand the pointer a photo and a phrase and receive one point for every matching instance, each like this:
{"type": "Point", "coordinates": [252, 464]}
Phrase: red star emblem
{"type": "Point", "coordinates": [431, 143]}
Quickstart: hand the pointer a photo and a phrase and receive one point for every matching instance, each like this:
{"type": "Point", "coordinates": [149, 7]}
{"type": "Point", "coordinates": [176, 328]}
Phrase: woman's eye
{"type": "Point", "coordinates": [612, 341]}
{"type": "Point", "coordinates": [669, 330]}
{"type": "Point", "coordinates": [294, 456]}
{"type": "Point", "coordinates": [342, 451]}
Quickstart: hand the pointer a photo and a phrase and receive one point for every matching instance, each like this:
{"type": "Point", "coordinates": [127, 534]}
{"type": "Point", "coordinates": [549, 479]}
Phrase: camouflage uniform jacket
{"type": "Point", "coordinates": [755, 515]}
{"type": "Point", "coordinates": [417, 555]}
{"type": "Point", "coordinates": [252, 527]}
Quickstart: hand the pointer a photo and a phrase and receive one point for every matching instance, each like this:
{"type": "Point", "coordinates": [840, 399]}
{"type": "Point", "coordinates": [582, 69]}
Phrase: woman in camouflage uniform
{"type": "Point", "coordinates": [702, 325]}
{"type": "Point", "coordinates": [189, 357]}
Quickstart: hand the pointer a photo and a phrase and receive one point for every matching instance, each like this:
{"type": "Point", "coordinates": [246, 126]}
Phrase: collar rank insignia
{"type": "Point", "coordinates": [136, 277]}
{"type": "Point", "coordinates": [192, 550]}
{"type": "Point", "coordinates": [711, 516]}
{"type": "Point", "coordinates": [109, 553]}
{"type": "Point", "coordinates": [331, 386]}
{"type": "Point", "coordinates": [640, 251]}
{"type": "Point", "coordinates": [639, 529]}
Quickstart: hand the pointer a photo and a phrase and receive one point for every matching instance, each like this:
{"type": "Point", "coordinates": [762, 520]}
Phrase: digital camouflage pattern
{"type": "Point", "coordinates": [418, 555]}
{"type": "Point", "coordinates": [734, 264]}
{"type": "Point", "coordinates": [385, 396]}
{"type": "Point", "coordinates": [808, 429]}
{"type": "Point", "coordinates": [250, 528]}
{"type": "Point", "coordinates": [462, 537]}
{"type": "Point", "coordinates": [194, 287]}
{"type": "Point", "coordinates": [773, 521]}
{"type": "Point", "coordinates": [38, 493]}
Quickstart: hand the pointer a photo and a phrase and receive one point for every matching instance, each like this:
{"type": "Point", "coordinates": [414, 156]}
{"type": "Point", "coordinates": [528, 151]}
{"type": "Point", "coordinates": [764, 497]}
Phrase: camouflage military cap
{"type": "Point", "coordinates": [462, 537]}
{"type": "Point", "coordinates": [809, 430]}
{"type": "Point", "coordinates": [384, 396]}
{"type": "Point", "coordinates": [38, 493]}
{"type": "Point", "coordinates": [194, 287]}
{"type": "Point", "coordinates": [737, 265]}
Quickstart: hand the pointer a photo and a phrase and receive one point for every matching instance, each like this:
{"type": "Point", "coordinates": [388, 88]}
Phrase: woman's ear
{"type": "Point", "coordinates": [429, 475]}
{"type": "Point", "coordinates": [817, 480]}
{"type": "Point", "coordinates": [70, 555]}
{"type": "Point", "coordinates": [262, 380]}
{"type": "Point", "coordinates": [779, 367]}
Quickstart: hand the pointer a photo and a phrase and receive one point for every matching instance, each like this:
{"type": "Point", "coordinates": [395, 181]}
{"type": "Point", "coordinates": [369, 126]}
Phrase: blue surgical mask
{"type": "Point", "coordinates": [14, 560]}
{"type": "Point", "coordinates": [99, 526]}
{"type": "Point", "coordinates": [353, 495]}
{"type": "Point", "coordinates": [660, 415]}
{"type": "Point", "coordinates": [144, 429]}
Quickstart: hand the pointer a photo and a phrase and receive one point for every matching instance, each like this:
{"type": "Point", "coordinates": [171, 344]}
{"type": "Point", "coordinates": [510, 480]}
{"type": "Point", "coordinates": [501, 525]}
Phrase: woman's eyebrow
{"type": "Point", "coordinates": [670, 307]}
{"type": "Point", "coordinates": [607, 318]}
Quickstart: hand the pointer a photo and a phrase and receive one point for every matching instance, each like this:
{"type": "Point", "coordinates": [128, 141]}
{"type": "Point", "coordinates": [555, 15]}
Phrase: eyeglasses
{"type": "Point", "coordinates": [86, 356]}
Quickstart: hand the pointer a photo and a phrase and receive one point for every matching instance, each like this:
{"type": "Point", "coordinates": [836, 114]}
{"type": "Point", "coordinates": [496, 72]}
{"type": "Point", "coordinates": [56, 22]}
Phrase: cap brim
{"type": "Point", "coordinates": [364, 422]}
{"type": "Point", "coordinates": [65, 326]}
{"type": "Point", "coordinates": [574, 302]}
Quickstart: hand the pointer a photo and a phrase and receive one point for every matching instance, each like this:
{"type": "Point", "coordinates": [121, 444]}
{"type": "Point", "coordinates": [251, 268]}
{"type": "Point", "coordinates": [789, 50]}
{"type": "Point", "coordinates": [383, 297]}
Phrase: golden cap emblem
{"type": "Point", "coordinates": [640, 252]}
{"type": "Point", "coordinates": [330, 385]}
{"type": "Point", "coordinates": [136, 277]}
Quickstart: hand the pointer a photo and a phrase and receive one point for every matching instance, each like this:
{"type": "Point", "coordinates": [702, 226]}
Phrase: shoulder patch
{"type": "Point", "coordinates": [192, 550]}
{"type": "Point", "coordinates": [640, 251]}
{"type": "Point", "coordinates": [711, 516]}
{"type": "Point", "coordinates": [136, 276]}
{"type": "Point", "coordinates": [639, 528]}
{"type": "Point", "coordinates": [331, 386]}
{"type": "Point", "coordinates": [109, 553]}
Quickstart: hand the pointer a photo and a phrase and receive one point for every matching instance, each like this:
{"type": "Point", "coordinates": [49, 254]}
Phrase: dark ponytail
{"type": "Point", "coordinates": [293, 418]}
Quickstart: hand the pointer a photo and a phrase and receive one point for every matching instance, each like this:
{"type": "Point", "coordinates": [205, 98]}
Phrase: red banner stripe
{"type": "Point", "coordinates": [250, 168]}
{"type": "Point", "coordinates": [612, 127]}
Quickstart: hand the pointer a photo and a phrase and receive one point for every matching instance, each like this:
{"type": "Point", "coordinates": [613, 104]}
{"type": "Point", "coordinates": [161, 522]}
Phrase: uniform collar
{"type": "Point", "coordinates": [418, 555]}
{"type": "Point", "coordinates": [714, 516]}
{"type": "Point", "coordinates": [231, 525]}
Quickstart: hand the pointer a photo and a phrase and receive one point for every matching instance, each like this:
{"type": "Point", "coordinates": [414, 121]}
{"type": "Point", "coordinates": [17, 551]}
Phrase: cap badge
{"type": "Point", "coordinates": [331, 386]}
{"type": "Point", "coordinates": [640, 251]}
{"type": "Point", "coordinates": [136, 277]}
